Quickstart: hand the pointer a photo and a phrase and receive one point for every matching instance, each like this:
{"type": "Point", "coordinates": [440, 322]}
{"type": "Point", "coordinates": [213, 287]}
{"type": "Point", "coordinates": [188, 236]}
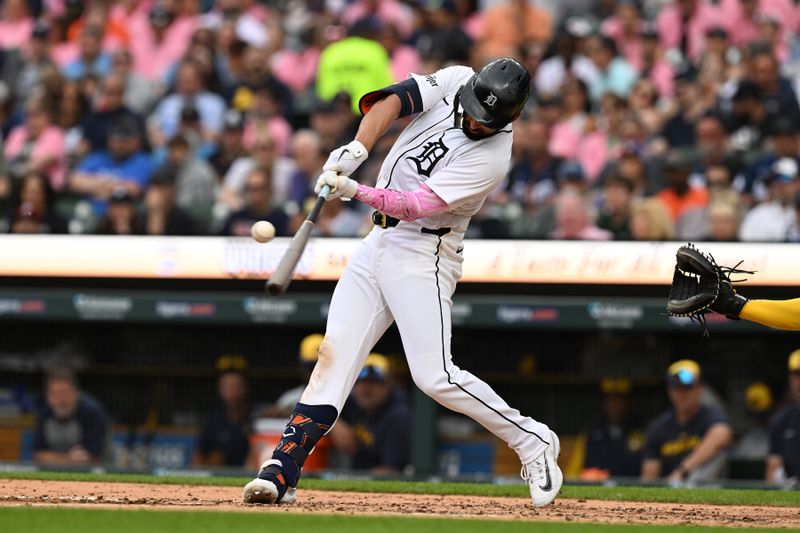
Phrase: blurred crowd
{"type": "Point", "coordinates": [649, 119]}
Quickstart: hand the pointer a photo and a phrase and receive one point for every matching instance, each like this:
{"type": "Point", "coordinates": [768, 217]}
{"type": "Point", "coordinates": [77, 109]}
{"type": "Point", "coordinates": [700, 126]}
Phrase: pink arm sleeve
{"type": "Point", "coordinates": [406, 206]}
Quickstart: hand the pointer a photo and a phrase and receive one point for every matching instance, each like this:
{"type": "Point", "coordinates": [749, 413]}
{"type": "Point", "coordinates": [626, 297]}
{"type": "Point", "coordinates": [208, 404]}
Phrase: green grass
{"type": "Point", "coordinates": [641, 494]}
{"type": "Point", "coordinates": [81, 520]}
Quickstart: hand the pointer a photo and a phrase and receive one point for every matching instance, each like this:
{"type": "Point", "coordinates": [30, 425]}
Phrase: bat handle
{"type": "Point", "coordinates": [326, 189]}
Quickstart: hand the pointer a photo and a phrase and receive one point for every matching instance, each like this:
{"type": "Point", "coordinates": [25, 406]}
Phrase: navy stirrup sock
{"type": "Point", "coordinates": [308, 424]}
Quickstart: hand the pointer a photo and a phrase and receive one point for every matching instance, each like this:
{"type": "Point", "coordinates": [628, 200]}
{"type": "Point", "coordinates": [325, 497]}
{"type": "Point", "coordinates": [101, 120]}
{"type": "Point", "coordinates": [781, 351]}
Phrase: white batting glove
{"type": "Point", "coordinates": [346, 159]}
{"type": "Point", "coordinates": [341, 186]}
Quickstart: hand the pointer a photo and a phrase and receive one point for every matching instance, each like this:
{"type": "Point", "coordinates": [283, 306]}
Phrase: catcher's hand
{"type": "Point", "coordinates": [700, 285]}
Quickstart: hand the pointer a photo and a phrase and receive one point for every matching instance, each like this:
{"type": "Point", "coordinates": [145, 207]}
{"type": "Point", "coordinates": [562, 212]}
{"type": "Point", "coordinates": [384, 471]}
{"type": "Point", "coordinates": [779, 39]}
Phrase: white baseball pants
{"type": "Point", "coordinates": [402, 274]}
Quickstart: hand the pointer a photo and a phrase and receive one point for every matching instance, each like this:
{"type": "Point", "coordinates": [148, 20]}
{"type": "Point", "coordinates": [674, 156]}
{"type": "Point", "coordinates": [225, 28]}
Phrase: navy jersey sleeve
{"type": "Point", "coordinates": [712, 417]}
{"type": "Point", "coordinates": [95, 428]}
{"type": "Point", "coordinates": [655, 438]}
{"type": "Point", "coordinates": [775, 434]}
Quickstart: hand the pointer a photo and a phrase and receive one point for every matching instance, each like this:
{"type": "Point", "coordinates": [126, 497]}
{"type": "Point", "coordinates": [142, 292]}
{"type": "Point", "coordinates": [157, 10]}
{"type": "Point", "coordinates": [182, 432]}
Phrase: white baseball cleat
{"type": "Point", "coordinates": [543, 475]}
{"type": "Point", "coordinates": [263, 491]}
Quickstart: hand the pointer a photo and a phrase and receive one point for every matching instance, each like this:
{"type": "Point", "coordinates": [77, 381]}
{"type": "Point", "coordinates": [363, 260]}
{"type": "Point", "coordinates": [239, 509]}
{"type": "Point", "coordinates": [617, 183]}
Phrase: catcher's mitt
{"type": "Point", "coordinates": [700, 285]}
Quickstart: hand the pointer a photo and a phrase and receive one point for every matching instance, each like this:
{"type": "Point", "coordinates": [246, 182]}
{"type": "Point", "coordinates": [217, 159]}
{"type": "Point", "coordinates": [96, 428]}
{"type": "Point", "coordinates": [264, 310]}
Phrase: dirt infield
{"type": "Point", "coordinates": [187, 497]}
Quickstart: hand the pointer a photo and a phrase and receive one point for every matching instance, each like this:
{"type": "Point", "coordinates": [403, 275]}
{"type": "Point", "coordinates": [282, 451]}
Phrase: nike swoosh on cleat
{"type": "Point", "coordinates": [549, 483]}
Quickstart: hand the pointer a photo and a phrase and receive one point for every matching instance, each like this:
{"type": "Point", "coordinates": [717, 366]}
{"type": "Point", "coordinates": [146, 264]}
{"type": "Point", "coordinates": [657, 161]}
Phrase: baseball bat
{"type": "Point", "coordinates": [279, 280]}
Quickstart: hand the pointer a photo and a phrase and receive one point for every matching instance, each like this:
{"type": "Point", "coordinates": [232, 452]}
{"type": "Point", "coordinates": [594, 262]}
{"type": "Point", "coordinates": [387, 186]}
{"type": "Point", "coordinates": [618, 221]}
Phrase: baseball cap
{"type": "Point", "coordinates": [309, 348]}
{"type": "Point", "coordinates": [570, 171]}
{"type": "Point", "coordinates": [231, 363]}
{"type": "Point", "coordinates": [794, 361]}
{"type": "Point", "coordinates": [685, 373]}
{"type": "Point", "coordinates": [784, 169]}
{"type": "Point", "coordinates": [615, 386]}
{"type": "Point", "coordinates": [758, 397]}
{"type": "Point", "coordinates": [376, 367]}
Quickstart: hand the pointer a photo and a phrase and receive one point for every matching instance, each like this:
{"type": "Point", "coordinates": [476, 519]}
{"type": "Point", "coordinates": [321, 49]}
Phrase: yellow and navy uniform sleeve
{"type": "Point", "coordinates": [779, 314]}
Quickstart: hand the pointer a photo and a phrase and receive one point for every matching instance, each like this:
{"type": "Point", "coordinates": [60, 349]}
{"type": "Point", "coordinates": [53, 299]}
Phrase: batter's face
{"type": "Point", "coordinates": [474, 129]}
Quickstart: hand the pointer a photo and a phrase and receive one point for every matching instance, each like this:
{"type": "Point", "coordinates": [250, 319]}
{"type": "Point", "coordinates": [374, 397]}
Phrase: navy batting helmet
{"type": "Point", "coordinates": [495, 95]}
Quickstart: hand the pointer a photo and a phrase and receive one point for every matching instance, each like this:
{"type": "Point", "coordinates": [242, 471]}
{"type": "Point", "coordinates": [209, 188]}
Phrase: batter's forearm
{"type": "Point", "coordinates": [780, 314]}
{"type": "Point", "coordinates": [377, 121]}
{"type": "Point", "coordinates": [406, 206]}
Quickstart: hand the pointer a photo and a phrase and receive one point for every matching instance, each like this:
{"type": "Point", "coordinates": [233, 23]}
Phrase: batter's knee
{"type": "Point", "coordinates": [432, 383]}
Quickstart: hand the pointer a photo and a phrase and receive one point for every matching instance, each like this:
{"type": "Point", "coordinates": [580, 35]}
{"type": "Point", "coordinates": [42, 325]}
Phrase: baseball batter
{"type": "Point", "coordinates": [435, 178]}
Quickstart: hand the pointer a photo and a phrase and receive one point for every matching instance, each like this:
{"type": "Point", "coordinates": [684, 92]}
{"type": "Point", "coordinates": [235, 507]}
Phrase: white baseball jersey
{"type": "Point", "coordinates": [433, 150]}
{"type": "Point", "coordinates": [407, 275]}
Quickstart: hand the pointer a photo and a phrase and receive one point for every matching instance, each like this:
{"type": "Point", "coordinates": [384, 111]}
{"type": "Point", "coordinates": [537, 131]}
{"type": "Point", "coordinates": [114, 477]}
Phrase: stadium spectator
{"type": "Point", "coordinates": [37, 145]}
{"type": "Point", "coordinates": [772, 220]}
{"type": "Point", "coordinates": [224, 437]}
{"type": "Point", "coordinates": [267, 112]}
{"type": "Point", "coordinates": [783, 461]}
{"type": "Point", "coordinates": [441, 40]}
{"type": "Point", "coordinates": [91, 60]}
{"type": "Point", "coordinates": [354, 65]}
{"type": "Point", "coordinates": [687, 442]}
{"type": "Point", "coordinates": [72, 428]}
{"type": "Point", "coordinates": [566, 59]}
{"type": "Point", "coordinates": [258, 205]}
{"type": "Point", "coordinates": [341, 221]}
{"type": "Point", "coordinates": [679, 195]}
{"type": "Point", "coordinates": [108, 108]}
{"type": "Point", "coordinates": [650, 221]}
{"type": "Point", "coordinates": [683, 24]}
{"type": "Point", "coordinates": [120, 217]}
{"type": "Point", "coordinates": [615, 210]}
{"type": "Point", "coordinates": [189, 92]}
{"type": "Point", "coordinates": [123, 164]}
{"type": "Point", "coordinates": [573, 219]}
{"type": "Point", "coordinates": [625, 28]}
{"type": "Point", "coordinates": [262, 155]}
{"type": "Point", "coordinates": [724, 221]}
{"type": "Point", "coordinates": [307, 355]}
{"type": "Point", "coordinates": [16, 25]}
{"type": "Point", "coordinates": [753, 445]}
{"type": "Point", "coordinates": [532, 180]}
{"type": "Point", "coordinates": [374, 429]}
{"type": "Point", "coordinates": [614, 74]}
{"type": "Point", "coordinates": [34, 212]}
{"type": "Point", "coordinates": [161, 215]}
{"type": "Point", "coordinates": [574, 122]}
{"type": "Point", "coordinates": [308, 156]}
{"type": "Point", "coordinates": [332, 120]}
{"type": "Point", "coordinates": [196, 183]}
{"type": "Point", "coordinates": [643, 103]}
{"type": "Point", "coordinates": [777, 95]}
{"type": "Point", "coordinates": [403, 58]}
{"type": "Point", "coordinates": [688, 108]}
{"type": "Point", "coordinates": [613, 445]}
{"type": "Point", "coordinates": [385, 11]}
{"type": "Point", "coordinates": [139, 94]}
{"type": "Point", "coordinates": [782, 142]}
{"type": "Point", "coordinates": [230, 146]}
{"type": "Point", "coordinates": [654, 66]}
{"type": "Point", "coordinates": [26, 71]}
{"type": "Point", "coordinates": [506, 26]}
{"type": "Point", "coordinates": [160, 40]}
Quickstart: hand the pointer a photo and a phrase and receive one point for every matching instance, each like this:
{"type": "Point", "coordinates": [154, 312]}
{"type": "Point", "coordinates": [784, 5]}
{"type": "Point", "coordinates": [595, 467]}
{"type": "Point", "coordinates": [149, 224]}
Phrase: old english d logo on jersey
{"type": "Point", "coordinates": [429, 154]}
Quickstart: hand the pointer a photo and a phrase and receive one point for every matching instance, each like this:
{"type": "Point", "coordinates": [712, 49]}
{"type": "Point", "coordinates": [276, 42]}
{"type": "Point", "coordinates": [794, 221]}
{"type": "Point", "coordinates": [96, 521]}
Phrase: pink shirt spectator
{"type": "Point", "coordinates": [152, 60]}
{"type": "Point", "coordinates": [296, 70]}
{"type": "Point", "coordinates": [744, 30]}
{"type": "Point", "coordinates": [589, 233]}
{"type": "Point", "coordinates": [670, 29]}
{"type": "Point", "coordinates": [279, 130]}
{"type": "Point", "coordinates": [662, 75]}
{"type": "Point", "coordinates": [630, 47]}
{"type": "Point", "coordinates": [565, 137]}
{"type": "Point", "coordinates": [389, 11]}
{"type": "Point", "coordinates": [49, 144]}
{"type": "Point", "coordinates": [15, 34]}
{"type": "Point", "coordinates": [404, 60]}
{"type": "Point", "coordinates": [594, 151]}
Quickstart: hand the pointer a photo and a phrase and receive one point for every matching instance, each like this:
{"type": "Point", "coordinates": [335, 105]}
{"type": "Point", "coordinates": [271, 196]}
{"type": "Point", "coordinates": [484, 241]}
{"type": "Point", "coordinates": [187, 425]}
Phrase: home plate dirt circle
{"type": "Point", "coordinates": [188, 497]}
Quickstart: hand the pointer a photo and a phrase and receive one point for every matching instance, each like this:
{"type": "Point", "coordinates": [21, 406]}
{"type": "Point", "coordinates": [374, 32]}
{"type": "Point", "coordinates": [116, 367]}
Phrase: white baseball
{"type": "Point", "coordinates": [263, 231]}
